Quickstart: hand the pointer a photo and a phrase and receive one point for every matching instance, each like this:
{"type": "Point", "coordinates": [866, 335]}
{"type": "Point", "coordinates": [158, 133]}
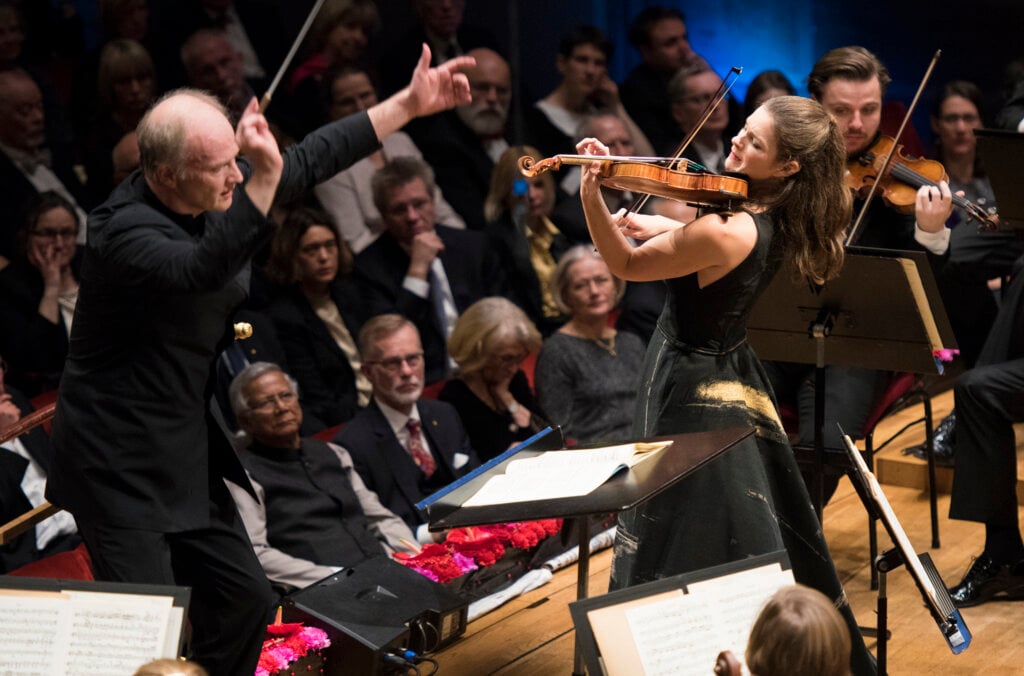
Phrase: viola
{"type": "Point", "coordinates": [644, 175]}
{"type": "Point", "coordinates": [898, 186]}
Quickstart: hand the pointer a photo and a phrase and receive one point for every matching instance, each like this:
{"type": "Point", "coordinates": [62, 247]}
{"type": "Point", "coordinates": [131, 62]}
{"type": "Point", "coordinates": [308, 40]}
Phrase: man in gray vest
{"type": "Point", "coordinates": [314, 514]}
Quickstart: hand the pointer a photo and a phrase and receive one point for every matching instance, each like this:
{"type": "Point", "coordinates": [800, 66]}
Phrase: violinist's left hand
{"type": "Point", "coordinates": [590, 175]}
{"type": "Point", "coordinates": [933, 207]}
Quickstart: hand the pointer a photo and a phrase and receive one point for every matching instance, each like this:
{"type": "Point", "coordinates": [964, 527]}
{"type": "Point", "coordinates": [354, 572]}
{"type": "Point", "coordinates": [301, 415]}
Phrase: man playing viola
{"type": "Point", "coordinates": [849, 83]}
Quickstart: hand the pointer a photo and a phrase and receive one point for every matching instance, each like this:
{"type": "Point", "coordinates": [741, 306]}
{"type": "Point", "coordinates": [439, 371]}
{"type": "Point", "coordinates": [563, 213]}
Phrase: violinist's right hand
{"type": "Point", "coordinates": [644, 226]}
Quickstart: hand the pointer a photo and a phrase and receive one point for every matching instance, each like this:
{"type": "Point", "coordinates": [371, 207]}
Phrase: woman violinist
{"type": "Point", "coordinates": [699, 372]}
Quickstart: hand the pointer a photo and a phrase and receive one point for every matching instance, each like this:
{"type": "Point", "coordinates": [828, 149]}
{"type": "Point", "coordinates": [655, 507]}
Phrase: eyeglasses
{"type": "Point", "coordinates": [698, 99]}
{"type": "Point", "coordinates": [47, 233]}
{"type": "Point", "coordinates": [267, 405]}
{"type": "Point", "coordinates": [510, 359]}
{"type": "Point", "coordinates": [330, 246]}
{"type": "Point", "coordinates": [394, 364]}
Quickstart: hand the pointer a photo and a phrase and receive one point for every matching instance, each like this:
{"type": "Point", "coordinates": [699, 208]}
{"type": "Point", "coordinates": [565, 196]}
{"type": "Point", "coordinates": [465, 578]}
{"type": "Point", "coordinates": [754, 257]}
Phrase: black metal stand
{"type": "Point", "coordinates": [890, 560]}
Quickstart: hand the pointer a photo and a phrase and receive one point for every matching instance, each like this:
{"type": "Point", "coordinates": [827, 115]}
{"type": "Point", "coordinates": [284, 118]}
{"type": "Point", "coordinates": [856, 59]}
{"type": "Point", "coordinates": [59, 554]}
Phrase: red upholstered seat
{"type": "Point", "coordinates": [72, 565]}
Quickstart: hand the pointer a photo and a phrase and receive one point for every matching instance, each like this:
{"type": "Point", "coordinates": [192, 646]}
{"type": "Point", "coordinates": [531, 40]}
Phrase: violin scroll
{"type": "Point", "coordinates": [531, 167]}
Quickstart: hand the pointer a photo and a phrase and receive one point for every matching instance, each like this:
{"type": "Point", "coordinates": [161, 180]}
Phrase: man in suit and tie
{"type": "Point", "coordinates": [404, 447]}
{"type": "Point", "coordinates": [427, 272]}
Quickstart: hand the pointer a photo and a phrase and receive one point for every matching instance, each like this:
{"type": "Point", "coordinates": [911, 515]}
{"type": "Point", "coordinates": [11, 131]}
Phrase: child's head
{"type": "Point", "coordinates": [799, 632]}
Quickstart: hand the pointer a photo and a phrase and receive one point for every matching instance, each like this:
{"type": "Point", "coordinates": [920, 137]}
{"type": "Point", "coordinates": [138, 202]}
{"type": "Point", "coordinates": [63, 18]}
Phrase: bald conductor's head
{"type": "Point", "coordinates": [187, 150]}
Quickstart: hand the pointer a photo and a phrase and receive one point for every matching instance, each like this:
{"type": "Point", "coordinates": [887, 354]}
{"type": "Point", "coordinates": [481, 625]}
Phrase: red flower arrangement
{"type": "Point", "coordinates": [287, 643]}
{"type": "Point", "coordinates": [466, 549]}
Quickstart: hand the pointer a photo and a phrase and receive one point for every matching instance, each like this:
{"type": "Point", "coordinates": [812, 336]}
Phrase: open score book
{"type": "Point", "coordinates": [561, 474]}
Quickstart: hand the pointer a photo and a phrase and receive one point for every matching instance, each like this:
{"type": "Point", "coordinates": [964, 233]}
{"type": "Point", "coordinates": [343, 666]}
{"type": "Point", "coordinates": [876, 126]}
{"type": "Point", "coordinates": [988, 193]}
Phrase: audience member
{"type": "Point", "coordinates": [764, 86]}
{"type": "Point", "coordinates": [587, 373]}
{"type": "Point", "coordinates": [125, 87]}
{"type": "Point", "coordinates": [214, 65]}
{"type": "Point", "coordinates": [318, 316]}
{"type": "Point", "coordinates": [27, 166]}
{"type": "Point", "coordinates": [491, 393]}
{"type": "Point", "coordinates": [312, 514]}
{"type": "Point", "coordinates": [691, 90]}
{"type": "Point", "coordinates": [170, 667]}
{"type": "Point", "coordinates": [254, 28]}
{"type": "Point", "coordinates": [1011, 115]}
{"type": "Point", "coordinates": [125, 158]}
{"type": "Point", "coordinates": [462, 146]}
{"type": "Point", "coordinates": [337, 40]}
{"type": "Point", "coordinates": [24, 462]}
{"type": "Point", "coordinates": [38, 293]}
{"type": "Point", "coordinates": [423, 270]}
{"type": "Point", "coordinates": [403, 447]}
{"type": "Point", "coordinates": [520, 232]}
{"type": "Point", "coordinates": [439, 24]}
{"type": "Point", "coordinates": [659, 34]}
{"type": "Point", "coordinates": [553, 122]}
{"type": "Point", "coordinates": [797, 633]}
{"type": "Point", "coordinates": [347, 197]}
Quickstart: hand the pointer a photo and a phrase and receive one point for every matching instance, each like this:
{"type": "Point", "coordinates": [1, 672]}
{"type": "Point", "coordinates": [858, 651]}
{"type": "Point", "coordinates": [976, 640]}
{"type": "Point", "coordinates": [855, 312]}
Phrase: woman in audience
{"type": "Point", "coordinates": [38, 292]}
{"type": "Point", "coordinates": [764, 86]}
{"type": "Point", "coordinates": [552, 123]}
{"type": "Point", "coordinates": [347, 195]}
{"type": "Point", "coordinates": [317, 317]}
{"type": "Point", "coordinates": [125, 86]}
{"type": "Point", "coordinates": [587, 373]}
{"type": "Point", "coordinates": [491, 393]}
{"type": "Point", "coordinates": [520, 231]}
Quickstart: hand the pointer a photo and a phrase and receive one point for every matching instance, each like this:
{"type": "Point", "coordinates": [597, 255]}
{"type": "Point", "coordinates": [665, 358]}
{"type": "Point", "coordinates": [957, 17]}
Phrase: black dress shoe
{"type": "Point", "coordinates": [943, 438]}
{"type": "Point", "coordinates": [987, 580]}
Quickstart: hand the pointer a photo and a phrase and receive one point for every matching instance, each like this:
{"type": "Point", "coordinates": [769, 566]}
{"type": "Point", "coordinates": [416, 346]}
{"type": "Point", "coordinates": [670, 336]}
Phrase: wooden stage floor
{"type": "Point", "coordinates": [533, 633]}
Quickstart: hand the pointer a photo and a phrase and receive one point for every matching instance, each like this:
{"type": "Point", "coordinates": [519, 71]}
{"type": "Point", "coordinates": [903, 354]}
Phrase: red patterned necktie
{"type": "Point", "coordinates": [423, 459]}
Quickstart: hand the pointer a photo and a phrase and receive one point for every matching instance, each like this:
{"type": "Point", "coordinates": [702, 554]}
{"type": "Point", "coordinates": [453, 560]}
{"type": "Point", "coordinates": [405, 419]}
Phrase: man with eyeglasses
{"type": "Point", "coordinates": [404, 447]}
{"type": "Point", "coordinates": [691, 90]}
{"type": "Point", "coordinates": [139, 455]}
{"type": "Point", "coordinates": [461, 146]}
{"type": "Point", "coordinates": [312, 514]}
{"type": "Point", "coordinates": [423, 270]}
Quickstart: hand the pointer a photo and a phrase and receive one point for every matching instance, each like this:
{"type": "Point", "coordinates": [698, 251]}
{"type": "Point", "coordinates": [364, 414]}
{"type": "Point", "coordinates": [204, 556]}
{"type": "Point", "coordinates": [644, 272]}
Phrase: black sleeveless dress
{"type": "Point", "coordinates": [700, 374]}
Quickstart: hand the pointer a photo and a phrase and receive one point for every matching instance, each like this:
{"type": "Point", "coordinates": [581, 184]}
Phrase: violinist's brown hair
{"type": "Point", "coordinates": [846, 63]}
{"type": "Point", "coordinates": [812, 207]}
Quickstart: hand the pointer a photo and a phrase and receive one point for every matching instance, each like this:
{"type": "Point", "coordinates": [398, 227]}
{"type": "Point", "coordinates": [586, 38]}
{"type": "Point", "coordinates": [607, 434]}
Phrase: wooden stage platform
{"type": "Point", "coordinates": [533, 633]}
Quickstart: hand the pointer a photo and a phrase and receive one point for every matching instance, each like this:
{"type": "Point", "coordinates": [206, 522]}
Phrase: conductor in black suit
{"type": "Point", "coordinates": [403, 447]}
{"type": "Point", "coordinates": [422, 270]}
{"type": "Point", "coordinates": [139, 461]}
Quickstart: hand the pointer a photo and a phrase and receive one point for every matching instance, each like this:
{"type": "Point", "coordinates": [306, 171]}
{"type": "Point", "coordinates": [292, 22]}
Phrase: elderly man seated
{"type": "Point", "coordinates": [314, 515]}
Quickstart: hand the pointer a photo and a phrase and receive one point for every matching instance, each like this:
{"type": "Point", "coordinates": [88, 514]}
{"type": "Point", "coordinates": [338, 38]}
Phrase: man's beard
{"type": "Point", "coordinates": [483, 121]}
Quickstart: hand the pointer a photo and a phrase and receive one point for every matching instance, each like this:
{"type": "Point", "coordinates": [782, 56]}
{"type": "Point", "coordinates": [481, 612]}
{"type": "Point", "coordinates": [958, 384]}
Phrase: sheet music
{"type": "Point", "coordinates": [683, 633]}
{"type": "Point", "coordinates": [559, 474]}
{"type": "Point", "coordinates": [83, 633]}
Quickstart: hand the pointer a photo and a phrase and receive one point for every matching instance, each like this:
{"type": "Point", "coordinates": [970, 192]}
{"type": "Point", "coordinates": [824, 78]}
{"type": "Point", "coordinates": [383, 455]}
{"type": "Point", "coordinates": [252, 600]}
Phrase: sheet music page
{"type": "Point", "coordinates": [172, 639]}
{"type": "Point", "coordinates": [685, 634]}
{"type": "Point", "coordinates": [31, 626]}
{"type": "Point", "coordinates": [559, 474]}
{"type": "Point", "coordinates": [115, 633]}
{"type": "Point", "coordinates": [613, 635]}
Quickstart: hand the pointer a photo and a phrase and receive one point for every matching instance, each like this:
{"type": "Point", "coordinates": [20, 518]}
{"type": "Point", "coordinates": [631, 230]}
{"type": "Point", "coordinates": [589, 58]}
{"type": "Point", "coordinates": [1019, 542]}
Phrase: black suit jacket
{"type": "Point", "coordinates": [385, 465]}
{"type": "Point", "coordinates": [34, 347]}
{"type": "Point", "coordinates": [472, 270]}
{"type": "Point", "coordinates": [135, 446]}
{"type": "Point", "coordinates": [327, 382]}
{"type": "Point", "coordinates": [462, 167]}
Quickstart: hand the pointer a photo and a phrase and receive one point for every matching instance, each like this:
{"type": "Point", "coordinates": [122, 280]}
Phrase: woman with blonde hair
{"type": "Point", "coordinates": [587, 372]}
{"type": "Point", "coordinates": [489, 343]}
{"type": "Point", "coordinates": [520, 230]}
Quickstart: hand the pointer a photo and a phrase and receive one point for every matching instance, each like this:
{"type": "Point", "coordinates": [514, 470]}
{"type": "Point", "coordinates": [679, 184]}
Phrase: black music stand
{"type": "Point", "coordinates": [883, 312]}
{"type": "Point", "coordinates": [933, 589]}
{"type": "Point", "coordinates": [625, 490]}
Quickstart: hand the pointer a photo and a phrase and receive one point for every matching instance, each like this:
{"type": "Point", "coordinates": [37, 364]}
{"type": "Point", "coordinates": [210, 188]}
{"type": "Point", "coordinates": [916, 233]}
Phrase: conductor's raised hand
{"type": "Point", "coordinates": [257, 143]}
{"type": "Point", "coordinates": [432, 90]}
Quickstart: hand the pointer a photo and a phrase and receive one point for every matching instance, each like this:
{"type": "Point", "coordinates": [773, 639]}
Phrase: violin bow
{"type": "Point", "coordinates": [723, 90]}
{"type": "Point", "coordinates": [888, 160]}
{"type": "Point", "coordinates": [265, 101]}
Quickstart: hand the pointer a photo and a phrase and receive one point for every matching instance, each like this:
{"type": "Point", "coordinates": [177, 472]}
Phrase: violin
{"type": "Point", "coordinates": [643, 175]}
{"type": "Point", "coordinates": [898, 186]}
